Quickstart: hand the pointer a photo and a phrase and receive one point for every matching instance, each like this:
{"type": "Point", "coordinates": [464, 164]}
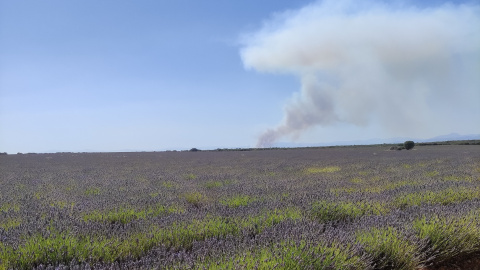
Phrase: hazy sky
{"type": "Point", "coordinates": [117, 75]}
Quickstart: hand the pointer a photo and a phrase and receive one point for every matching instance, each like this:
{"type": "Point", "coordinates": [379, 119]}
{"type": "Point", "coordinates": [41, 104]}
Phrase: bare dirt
{"type": "Point", "coordinates": [471, 263]}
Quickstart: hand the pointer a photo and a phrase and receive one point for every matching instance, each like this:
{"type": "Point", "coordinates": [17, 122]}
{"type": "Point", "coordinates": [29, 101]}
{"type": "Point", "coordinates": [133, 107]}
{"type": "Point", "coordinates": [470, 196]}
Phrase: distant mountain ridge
{"type": "Point", "coordinates": [452, 137]}
{"type": "Point", "coordinates": [448, 137]}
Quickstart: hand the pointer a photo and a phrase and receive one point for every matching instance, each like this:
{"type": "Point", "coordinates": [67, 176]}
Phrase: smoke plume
{"type": "Point", "coordinates": [369, 61]}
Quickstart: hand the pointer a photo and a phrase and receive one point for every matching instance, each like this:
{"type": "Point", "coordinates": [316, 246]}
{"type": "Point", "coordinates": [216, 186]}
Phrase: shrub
{"type": "Point", "coordinates": [290, 255]}
{"type": "Point", "coordinates": [195, 198]}
{"type": "Point", "coordinates": [408, 145]}
{"type": "Point", "coordinates": [345, 211]}
{"type": "Point", "coordinates": [389, 249]}
{"type": "Point", "coordinates": [448, 237]}
{"type": "Point", "coordinates": [236, 201]}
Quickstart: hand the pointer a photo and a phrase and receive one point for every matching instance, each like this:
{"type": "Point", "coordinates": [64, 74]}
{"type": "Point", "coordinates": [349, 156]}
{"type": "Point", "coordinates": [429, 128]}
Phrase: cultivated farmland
{"type": "Point", "coordinates": [313, 208]}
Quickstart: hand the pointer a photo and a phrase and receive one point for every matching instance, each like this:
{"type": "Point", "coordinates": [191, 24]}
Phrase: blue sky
{"type": "Point", "coordinates": [155, 75]}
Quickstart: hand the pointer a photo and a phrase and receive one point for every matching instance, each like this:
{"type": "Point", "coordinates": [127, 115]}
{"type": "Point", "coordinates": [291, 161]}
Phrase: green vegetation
{"type": "Point", "coordinates": [168, 184]}
{"type": "Point", "coordinates": [432, 174]}
{"type": "Point", "coordinates": [127, 214]}
{"type": "Point", "coordinates": [444, 197]}
{"type": "Point", "coordinates": [9, 207]}
{"type": "Point", "coordinates": [92, 191]}
{"type": "Point", "coordinates": [190, 176]}
{"type": "Point", "coordinates": [236, 201]}
{"type": "Point", "coordinates": [356, 181]}
{"type": "Point", "coordinates": [449, 237]}
{"type": "Point", "coordinates": [64, 247]}
{"type": "Point", "coordinates": [213, 184]}
{"type": "Point", "coordinates": [345, 211]}
{"type": "Point", "coordinates": [329, 169]}
{"type": "Point", "coordinates": [10, 223]}
{"type": "Point", "coordinates": [456, 178]}
{"type": "Point", "coordinates": [61, 204]}
{"type": "Point", "coordinates": [195, 198]}
{"type": "Point", "coordinates": [389, 249]}
{"type": "Point", "coordinates": [289, 255]}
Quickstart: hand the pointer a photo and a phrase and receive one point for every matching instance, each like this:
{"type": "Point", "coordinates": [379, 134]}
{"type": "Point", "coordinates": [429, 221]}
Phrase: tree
{"type": "Point", "coordinates": [408, 145]}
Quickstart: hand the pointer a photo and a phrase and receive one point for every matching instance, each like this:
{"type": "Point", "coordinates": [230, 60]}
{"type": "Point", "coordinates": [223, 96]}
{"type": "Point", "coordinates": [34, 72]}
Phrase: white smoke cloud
{"type": "Point", "coordinates": [359, 61]}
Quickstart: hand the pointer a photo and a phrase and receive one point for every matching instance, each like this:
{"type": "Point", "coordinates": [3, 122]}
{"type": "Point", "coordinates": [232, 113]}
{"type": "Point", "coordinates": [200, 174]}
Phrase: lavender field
{"type": "Point", "coordinates": [314, 208]}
